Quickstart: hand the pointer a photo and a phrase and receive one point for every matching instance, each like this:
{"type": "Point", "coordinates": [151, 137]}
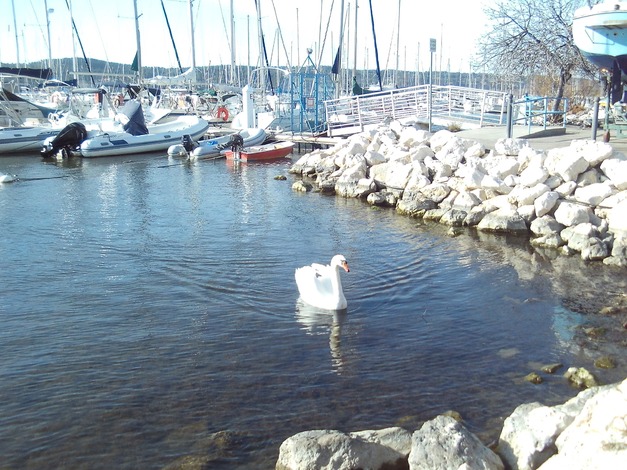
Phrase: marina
{"type": "Point", "coordinates": [169, 304]}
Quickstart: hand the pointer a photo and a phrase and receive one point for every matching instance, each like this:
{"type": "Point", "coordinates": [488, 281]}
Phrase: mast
{"type": "Point", "coordinates": [232, 81]}
{"type": "Point", "coordinates": [398, 37]}
{"type": "Point", "coordinates": [355, 53]}
{"type": "Point", "coordinates": [191, 29]}
{"type": "Point", "coordinates": [376, 48]}
{"type": "Point", "coordinates": [262, 74]}
{"type": "Point", "coordinates": [17, 44]}
{"type": "Point", "coordinates": [137, 39]}
{"type": "Point", "coordinates": [48, 29]}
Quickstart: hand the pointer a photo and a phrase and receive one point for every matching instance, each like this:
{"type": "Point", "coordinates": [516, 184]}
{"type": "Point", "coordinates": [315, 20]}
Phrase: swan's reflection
{"type": "Point", "coordinates": [318, 321]}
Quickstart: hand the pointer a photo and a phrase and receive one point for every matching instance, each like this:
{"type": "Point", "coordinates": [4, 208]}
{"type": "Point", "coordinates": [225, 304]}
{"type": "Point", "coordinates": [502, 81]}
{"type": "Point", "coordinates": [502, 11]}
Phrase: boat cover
{"type": "Point", "coordinates": [136, 124]}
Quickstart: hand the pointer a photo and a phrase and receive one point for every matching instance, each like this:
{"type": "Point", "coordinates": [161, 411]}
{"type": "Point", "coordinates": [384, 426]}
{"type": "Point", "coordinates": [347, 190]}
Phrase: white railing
{"type": "Point", "coordinates": [450, 103]}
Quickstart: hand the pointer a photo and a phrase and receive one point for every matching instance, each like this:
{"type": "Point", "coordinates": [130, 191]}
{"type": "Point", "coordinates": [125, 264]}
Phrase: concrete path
{"type": "Point", "coordinates": [489, 135]}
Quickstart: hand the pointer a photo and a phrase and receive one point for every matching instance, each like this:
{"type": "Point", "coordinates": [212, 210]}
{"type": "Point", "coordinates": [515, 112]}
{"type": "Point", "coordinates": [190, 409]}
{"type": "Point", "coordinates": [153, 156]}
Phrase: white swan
{"type": "Point", "coordinates": [321, 286]}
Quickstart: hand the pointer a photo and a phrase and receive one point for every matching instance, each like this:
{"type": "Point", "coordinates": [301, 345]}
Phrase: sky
{"type": "Point", "coordinates": [107, 31]}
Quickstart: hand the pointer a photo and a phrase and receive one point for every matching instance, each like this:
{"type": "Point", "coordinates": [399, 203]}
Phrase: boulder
{"type": "Point", "coordinates": [511, 147]}
{"type": "Point", "coordinates": [568, 214]}
{"type": "Point", "coordinates": [334, 450]}
{"type": "Point", "coordinates": [443, 444]}
{"type": "Point", "coordinates": [616, 170]}
{"type": "Point", "coordinates": [545, 203]}
{"type": "Point", "coordinates": [593, 194]}
{"type": "Point", "coordinates": [502, 220]}
{"type": "Point", "coordinates": [545, 225]}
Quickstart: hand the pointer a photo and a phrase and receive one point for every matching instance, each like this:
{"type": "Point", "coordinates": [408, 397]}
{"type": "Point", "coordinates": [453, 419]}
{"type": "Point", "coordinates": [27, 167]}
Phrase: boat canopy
{"type": "Point", "coordinates": [136, 124]}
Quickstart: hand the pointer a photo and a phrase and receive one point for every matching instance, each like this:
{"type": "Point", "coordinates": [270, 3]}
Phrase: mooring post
{"type": "Point", "coordinates": [510, 105]}
{"type": "Point", "coordinates": [595, 118]}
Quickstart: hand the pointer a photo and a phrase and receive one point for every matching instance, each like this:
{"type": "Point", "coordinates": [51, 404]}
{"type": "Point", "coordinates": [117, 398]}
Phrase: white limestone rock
{"type": "Point", "coordinates": [616, 170]}
{"type": "Point", "coordinates": [533, 175]}
{"type": "Point", "coordinates": [530, 157]}
{"type": "Point", "coordinates": [502, 220]}
{"type": "Point", "coordinates": [595, 439]}
{"type": "Point", "coordinates": [440, 139]}
{"type": "Point", "coordinates": [374, 158]}
{"type": "Point", "coordinates": [527, 196]}
{"type": "Point", "coordinates": [443, 444]}
{"type": "Point", "coordinates": [568, 213]}
{"type": "Point", "coordinates": [545, 202]}
{"type": "Point", "coordinates": [528, 436]}
{"type": "Point", "coordinates": [436, 191]}
{"type": "Point", "coordinates": [594, 152]}
{"type": "Point", "coordinates": [334, 450]}
{"type": "Point", "coordinates": [506, 166]}
{"type": "Point", "coordinates": [617, 217]}
{"type": "Point", "coordinates": [545, 225]}
{"type": "Point", "coordinates": [511, 147]}
{"type": "Point", "coordinates": [593, 194]}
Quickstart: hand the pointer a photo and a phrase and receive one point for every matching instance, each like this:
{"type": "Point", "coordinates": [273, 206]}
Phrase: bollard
{"type": "Point", "coordinates": [595, 118]}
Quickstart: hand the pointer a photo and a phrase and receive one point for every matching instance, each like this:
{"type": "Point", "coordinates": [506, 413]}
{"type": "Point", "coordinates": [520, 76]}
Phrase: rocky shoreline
{"type": "Point", "coordinates": [572, 200]}
{"type": "Point", "coordinates": [569, 202]}
{"type": "Point", "coordinates": [586, 432]}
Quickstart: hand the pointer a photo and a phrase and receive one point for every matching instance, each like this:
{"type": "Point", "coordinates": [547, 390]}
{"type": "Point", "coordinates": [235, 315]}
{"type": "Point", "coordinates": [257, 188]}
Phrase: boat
{"type": "Point", "coordinates": [25, 139]}
{"type": "Point", "coordinates": [600, 33]}
{"type": "Point", "coordinates": [212, 147]}
{"type": "Point", "coordinates": [260, 153]}
{"type": "Point", "coordinates": [132, 135]}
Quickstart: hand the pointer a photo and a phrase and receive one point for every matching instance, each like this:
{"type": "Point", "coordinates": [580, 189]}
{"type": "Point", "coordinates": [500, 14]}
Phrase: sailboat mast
{"type": "Point", "coordinates": [139, 50]}
{"type": "Point", "coordinates": [355, 53]}
{"type": "Point", "coordinates": [398, 37]}
{"type": "Point", "coordinates": [17, 44]}
{"type": "Point", "coordinates": [191, 29]}
{"type": "Point", "coordinates": [48, 29]}
{"type": "Point", "coordinates": [232, 45]}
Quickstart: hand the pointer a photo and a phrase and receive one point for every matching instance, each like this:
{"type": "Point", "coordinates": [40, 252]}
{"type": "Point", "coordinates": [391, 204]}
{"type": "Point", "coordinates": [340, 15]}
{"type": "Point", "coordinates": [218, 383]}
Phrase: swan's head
{"type": "Point", "coordinates": [339, 260]}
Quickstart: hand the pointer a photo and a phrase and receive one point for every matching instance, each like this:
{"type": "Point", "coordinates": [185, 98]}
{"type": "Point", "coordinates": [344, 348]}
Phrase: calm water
{"type": "Point", "coordinates": [150, 317]}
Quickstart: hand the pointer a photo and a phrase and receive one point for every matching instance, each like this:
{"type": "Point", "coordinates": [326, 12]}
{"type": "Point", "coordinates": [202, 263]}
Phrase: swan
{"type": "Point", "coordinates": [321, 286]}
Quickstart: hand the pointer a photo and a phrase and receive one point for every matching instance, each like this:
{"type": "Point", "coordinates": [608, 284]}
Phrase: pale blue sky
{"type": "Point", "coordinates": [107, 30]}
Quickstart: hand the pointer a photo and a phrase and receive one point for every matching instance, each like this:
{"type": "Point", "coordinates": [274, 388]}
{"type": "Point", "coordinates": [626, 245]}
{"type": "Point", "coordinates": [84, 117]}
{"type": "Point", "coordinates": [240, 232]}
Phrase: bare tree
{"type": "Point", "coordinates": [534, 37]}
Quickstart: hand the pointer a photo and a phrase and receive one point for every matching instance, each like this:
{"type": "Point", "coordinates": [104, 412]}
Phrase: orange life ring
{"type": "Point", "coordinates": [223, 113]}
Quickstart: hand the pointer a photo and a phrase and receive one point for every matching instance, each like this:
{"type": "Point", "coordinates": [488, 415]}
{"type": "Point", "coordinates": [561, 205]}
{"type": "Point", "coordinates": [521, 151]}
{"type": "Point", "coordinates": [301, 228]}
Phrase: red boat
{"type": "Point", "coordinates": [261, 152]}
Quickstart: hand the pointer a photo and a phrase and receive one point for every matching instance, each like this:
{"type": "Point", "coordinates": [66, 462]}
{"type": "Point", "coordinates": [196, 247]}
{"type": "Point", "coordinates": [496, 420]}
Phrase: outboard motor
{"type": "Point", "coordinates": [69, 139]}
{"type": "Point", "coordinates": [236, 143]}
{"type": "Point", "coordinates": [184, 149]}
{"type": "Point", "coordinates": [188, 143]}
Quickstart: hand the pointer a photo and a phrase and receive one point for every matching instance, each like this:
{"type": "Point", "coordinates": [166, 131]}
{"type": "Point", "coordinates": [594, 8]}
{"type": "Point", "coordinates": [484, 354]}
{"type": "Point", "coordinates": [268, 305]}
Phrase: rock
{"type": "Point", "coordinates": [533, 175]}
{"type": "Point", "coordinates": [595, 250]}
{"type": "Point", "coordinates": [443, 443]}
{"type": "Point", "coordinates": [605, 362]}
{"type": "Point", "coordinates": [454, 218]}
{"type": "Point", "coordinates": [569, 214]}
{"type": "Point", "coordinates": [617, 217]}
{"type": "Point", "coordinates": [545, 203]}
{"type": "Point", "coordinates": [334, 450]}
{"type": "Point", "coordinates": [595, 439]}
{"type": "Point", "coordinates": [534, 378]}
{"type": "Point", "coordinates": [580, 377]}
{"type": "Point", "coordinates": [415, 207]}
{"type": "Point", "coordinates": [502, 220]}
{"type": "Point", "coordinates": [528, 436]}
{"type": "Point", "coordinates": [616, 170]}
{"type": "Point", "coordinates": [593, 194]}
{"type": "Point", "coordinates": [551, 368]}
{"type": "Point", "coordinates": [510, 146]}
{"type": "Point", "coordinates": [302, 186]}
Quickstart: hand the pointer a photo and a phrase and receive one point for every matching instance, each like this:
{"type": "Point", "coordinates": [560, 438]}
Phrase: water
{"type": "Point", "coordinates": [150, 317]}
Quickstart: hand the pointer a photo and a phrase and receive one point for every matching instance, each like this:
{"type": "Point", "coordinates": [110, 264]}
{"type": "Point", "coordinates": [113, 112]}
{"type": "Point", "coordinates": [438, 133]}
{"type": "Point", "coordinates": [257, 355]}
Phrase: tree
{"type": "Point", "coordinates": [534, 37]}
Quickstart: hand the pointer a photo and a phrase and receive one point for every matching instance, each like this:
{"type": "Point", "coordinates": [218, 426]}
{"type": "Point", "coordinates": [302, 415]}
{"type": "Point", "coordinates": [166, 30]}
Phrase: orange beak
{"type": "Point", "coordinates": [345, 266]}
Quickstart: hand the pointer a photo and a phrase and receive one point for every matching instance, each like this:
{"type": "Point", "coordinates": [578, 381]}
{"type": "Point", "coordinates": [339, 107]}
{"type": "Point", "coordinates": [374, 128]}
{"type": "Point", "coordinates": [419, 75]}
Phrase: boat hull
{"type": "Point", "coordinates": [24, 139]}
{"type": "Point", "coordinates": [600, 33]}
{"type": "Point", "coordinates": [213, 147]}
{"type": "Point", "coordinates": [159, 138]}
{"type": "Point", "coordinates": [262, 152]}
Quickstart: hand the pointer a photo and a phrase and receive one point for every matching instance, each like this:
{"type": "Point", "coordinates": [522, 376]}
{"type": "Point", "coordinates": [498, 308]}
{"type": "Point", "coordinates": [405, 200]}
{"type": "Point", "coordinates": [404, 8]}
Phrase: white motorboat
{"type": "Point", "coordinates": [130, 137]}
{"type": "Point", "coordinates": [600, 33]}
{"type": "Point", "coordinates": [212, 147]}
{"type": "Point", "coordinates": [24, 139]}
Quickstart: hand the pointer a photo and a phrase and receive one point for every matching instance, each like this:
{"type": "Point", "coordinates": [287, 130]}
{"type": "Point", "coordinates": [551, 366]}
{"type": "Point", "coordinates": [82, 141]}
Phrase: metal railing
{"type": "Point", "coordinates": [450, 103]}
{"type": "Point", "coordinates": [536, 111]}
